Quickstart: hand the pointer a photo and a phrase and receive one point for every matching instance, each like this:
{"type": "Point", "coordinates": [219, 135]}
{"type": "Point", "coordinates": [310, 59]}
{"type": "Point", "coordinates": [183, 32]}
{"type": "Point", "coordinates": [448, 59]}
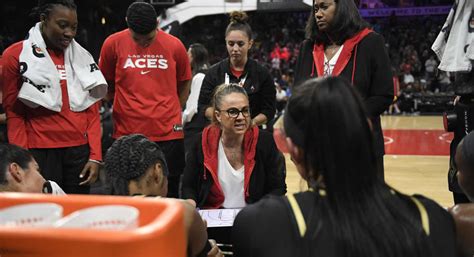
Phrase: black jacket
{"type": "Point", "coordinates": [258, 84]}
{"type": "Point", "coordinates": [267, 176]}
{"type": "Point", "coordinates": [269, 228]}
{"type": "Point", "coordinates": [372, 78]}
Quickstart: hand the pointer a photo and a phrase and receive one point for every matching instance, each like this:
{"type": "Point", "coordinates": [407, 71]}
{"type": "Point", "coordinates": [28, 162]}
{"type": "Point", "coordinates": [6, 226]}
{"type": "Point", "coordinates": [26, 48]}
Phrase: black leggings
{"type": "Point", "coordinates": [63, 166]}
{"type": "Point", "coordinates": [174, 154]}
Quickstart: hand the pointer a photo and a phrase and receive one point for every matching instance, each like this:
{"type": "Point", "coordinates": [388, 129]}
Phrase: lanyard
{"type": "Point", "coordinates": [241, 82]}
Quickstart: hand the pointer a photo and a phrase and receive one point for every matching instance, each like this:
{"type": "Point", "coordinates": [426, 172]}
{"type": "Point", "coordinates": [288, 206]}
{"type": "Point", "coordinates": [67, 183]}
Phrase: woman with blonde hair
{"type": "Point", "coordinates": [232, 163]}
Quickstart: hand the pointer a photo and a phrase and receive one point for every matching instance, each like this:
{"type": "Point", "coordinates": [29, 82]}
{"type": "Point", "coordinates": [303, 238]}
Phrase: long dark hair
{"type": "Point", "coordinates": [200, 60]}
{"type": "Point", "coordinates": [128, 159]}
{"type": "Point", "coordinates": [367, 217]}
{"type": "Point", "coordinates": [46, 6]}
{"type": "Point", "coordinates": [347, 22]}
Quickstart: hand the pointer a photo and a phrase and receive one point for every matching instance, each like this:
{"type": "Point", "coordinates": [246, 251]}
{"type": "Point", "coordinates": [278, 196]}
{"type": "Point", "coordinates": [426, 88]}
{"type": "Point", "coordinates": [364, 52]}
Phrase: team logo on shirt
{"type": "Point", "coordinates": [23, 67]}
{"type": "Point", "coordinates": [94, 67]}
{"type": "Point", "coordinates": [37, 51]}
{"type": "Point", "coordinates": [62, 72]}
{"type": "Point", "coordinates": [148, 61]}
{"type": "Point", "coordinates": [177, 127]}
{"type": "Point", "coordinates": [40, 88]}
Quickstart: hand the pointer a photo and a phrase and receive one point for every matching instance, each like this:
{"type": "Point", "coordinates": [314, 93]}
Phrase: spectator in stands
{"type": "Point", "coordinates": [442, 82]}
{"type": "Point", "coordinates": [199, 58]}
{"type": "Point", "coordinates": [343, 45]}
{"type": "Point", "coordinates": [464, 213]}
{"type": "Point", "coordinates": [407, 77]}
{"type": "Point", "coordinates": [19, 172]}
{"type": "Point", "coordinates": [63, 132]}
{"type": "Point", "coordinates": [431, 66]}
{"type": "Point", "coordinates": [349, 210]}
{"type": "Point", "coordinates": [232, 163]}
{"type": "Point", "coordinates": [149, 72]}
{"type": "Point", "coordinates": [276, 52]}
{"type": "Point", "coordinates": [239, 68]}
{"type": "Point", "coordinates": [136, 166]}
{"type": "Point", "coordinates": [276, 62]}
{"type": "Point", "coordinates": [396, 93]}
{"type": "Point", "coordinates": [281, 98]}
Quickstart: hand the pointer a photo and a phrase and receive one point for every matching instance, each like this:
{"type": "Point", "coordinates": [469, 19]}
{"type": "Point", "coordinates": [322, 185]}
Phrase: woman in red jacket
{"type": "Point", "coordinates": [232, 163]}
{"type": "Point", "coordinates": [340, 43]}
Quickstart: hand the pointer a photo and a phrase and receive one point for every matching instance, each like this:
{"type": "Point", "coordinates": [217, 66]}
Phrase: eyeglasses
{"type": "Point", "coordinates": [234, 112]}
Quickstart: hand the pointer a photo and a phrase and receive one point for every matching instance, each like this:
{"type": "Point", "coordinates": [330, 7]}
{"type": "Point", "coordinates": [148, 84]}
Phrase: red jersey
{"type": "Point", "coordinates": [1, 79]}
{"type": "Point", "coordinates": [146, 81]}
{"type": "Point", "coordinates": [43, 128]}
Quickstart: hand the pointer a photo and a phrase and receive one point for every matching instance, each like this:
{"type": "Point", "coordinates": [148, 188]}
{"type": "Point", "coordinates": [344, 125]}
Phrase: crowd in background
{"type": "Point", "coordinates": [421, 88]}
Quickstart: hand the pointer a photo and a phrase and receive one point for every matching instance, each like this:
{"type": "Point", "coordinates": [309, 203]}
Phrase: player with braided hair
{"type": "Point", "coordinates": [45, 7]}
{"type": "Point", "coordinates": [148, 72]}
{"type": "Point", "coordinates": [136, 166]}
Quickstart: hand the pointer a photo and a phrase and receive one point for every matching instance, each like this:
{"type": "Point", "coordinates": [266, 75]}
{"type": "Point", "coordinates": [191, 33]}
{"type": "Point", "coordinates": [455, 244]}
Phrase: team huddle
{"type": "Point", "coordinates": [217, 153]}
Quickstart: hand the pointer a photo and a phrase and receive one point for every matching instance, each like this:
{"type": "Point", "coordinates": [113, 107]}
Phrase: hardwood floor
{"type": "Point", "coordinates": [421, 174]}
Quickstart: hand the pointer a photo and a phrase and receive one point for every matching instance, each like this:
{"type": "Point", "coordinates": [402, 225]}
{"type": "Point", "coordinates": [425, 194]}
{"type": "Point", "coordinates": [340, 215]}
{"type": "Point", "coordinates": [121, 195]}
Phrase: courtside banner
{"type": "Point", "coordinates": [409, 11]}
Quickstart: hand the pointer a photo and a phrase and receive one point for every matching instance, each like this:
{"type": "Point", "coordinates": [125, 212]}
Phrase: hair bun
{"type": "Point", "coordinates": [238, 17]}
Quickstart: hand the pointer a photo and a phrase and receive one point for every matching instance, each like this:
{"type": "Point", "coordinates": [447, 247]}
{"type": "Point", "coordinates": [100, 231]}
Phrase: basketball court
{"type": "Point", "coordinates": [416, 160]}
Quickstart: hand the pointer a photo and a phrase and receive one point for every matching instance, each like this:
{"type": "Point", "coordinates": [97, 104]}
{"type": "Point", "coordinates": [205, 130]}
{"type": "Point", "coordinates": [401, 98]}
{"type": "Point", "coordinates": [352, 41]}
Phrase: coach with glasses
{"type": "Point", "coordinates": [232, 163]}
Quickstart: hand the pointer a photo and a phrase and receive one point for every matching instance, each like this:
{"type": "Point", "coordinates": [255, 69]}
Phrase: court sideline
{"type": "Point", "coordinates": [417, 158]}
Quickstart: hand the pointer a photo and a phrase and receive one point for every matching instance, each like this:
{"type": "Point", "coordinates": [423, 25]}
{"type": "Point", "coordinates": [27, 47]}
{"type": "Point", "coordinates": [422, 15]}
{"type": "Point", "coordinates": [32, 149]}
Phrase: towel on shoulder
{"type": "Point", "coordinates": [41, 80]}
{"type": "Point", "coordinates": [454, 45]}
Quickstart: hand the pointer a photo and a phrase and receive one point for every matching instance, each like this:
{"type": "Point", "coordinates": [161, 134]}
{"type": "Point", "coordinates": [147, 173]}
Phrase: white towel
{"type": "Point", "coordinates": [454, 44]}
{"type": "Point", "coordinates": [192, 102]}
{"type": "Point", "coordinates": [41, 80]}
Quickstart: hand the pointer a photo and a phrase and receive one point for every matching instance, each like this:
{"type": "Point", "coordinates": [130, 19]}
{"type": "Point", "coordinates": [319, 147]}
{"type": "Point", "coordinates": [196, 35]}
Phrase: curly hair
{"type": "Point", "coordinates": [238, 21]}
{"type": "Point", "coordinates": [128, 159]}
